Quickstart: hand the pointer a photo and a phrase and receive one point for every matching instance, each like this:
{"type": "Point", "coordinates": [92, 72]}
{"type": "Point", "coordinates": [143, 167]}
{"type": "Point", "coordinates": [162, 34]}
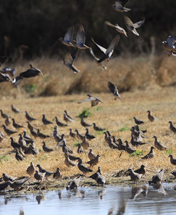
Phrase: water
{"type": "Point", "coordinates": [93, 200]}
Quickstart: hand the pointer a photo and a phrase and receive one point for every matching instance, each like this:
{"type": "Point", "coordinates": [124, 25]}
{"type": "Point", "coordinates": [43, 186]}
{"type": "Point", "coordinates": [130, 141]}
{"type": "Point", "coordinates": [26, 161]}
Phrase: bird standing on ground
{"type": "Point", "coordinates": [28, 117]}
{"type": "Point", "coordinates": [150, 154]}
{"type": "Point", "coordinates": [158, 145]}
{"type": "Point", "coordinates": [15, 110]}
{"type": "Point", "coordinates": [172, 127]}
{"type": "Point", "coordinates": [157, 178]}
{"type": "Point", "coordinates": [134, 176]}
{"type": "Point", "coordinates": [172, 160]}
{"type": "Point", "coordinates": [31, 169]}
{"type": "Point", "coordinates": [46, 148]}
{"type": "Point", "coordinates": [67, 117]}
{"type": "Point", "coordinates": [82, 167]}
{"type": "Point", "coordinates": [45, 121]}
{"type": "Point", "coordinates": [138, 121]}
{"type": "Point", "coordinates": [96, 128]}
{"type": "Point", "coordinates": [150, 116]}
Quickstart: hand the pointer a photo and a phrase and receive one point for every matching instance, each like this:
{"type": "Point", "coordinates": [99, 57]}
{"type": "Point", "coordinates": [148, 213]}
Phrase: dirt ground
{"type": "Point", "coordinates": [114, 115]}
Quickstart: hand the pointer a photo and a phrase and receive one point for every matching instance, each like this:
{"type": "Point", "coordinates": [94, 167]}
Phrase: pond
{"type": "Point", "coordinates": [92, 200]}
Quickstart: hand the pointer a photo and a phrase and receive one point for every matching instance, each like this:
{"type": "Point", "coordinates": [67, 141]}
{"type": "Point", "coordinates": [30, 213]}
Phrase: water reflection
{"type": "Point", "coordinates": [93, 200]}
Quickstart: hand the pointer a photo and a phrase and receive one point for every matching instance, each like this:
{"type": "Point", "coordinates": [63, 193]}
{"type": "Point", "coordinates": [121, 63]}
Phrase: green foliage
{"type": "Point", "coordinates": [124, 128]}
{"type": "Point", "coordinates": [98, 108]}
{"type": "Point", "coordinates": [137, 153]}
{"type": "Point", "coordinates": [100, 132]}
{"type": "Point", "coordinates": [30, 88]}
{"type": "Point", "coordinates": [169, 151]}
{"type": "Point", "coordinates": [4, 158]}
{"type": "Point", "coordinates": [76, 144]}
{"type": "Point", "coordinates": [85, 113]}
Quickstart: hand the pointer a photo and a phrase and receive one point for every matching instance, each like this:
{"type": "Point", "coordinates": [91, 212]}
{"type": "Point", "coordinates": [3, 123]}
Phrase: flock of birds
{"type": "Point", "coordinates": [25, 145]}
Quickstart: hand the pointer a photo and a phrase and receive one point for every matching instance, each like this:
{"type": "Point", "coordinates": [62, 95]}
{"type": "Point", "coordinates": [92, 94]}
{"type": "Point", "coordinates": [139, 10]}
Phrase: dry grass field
{"type": "Point", "coordinates": [116, 116]}
{"type": "Point", "coordinates": [148, 84]}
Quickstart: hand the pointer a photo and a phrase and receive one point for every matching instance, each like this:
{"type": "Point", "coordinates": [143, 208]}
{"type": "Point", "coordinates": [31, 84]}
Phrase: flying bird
{"type": "Point", "coordinates": [69, 59]}
{"type": "Point", "coordinates": [81, 38]}
{"type": "Point", "coordinates": [117, 27]}
{"type": "Point", "coordinates": [132, 26]}
{"type": "Point", "coordinates": [119, 6]}
{"type": "Point", "coordinates": [94, 100]}
{"type": "Point", "coordinates": [30, 73]}
{"type": "Point", "coordinates": [114, 90]}
{"type": "Point", "coordinates": [169, 45]}
{"type": "Point", "coordinates": [109, 51]}
{"type": "Point", "coordinates": [68, 38]}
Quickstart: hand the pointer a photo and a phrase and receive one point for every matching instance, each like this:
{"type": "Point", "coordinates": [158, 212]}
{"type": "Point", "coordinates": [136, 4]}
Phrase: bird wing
{"type": "Point", "coordinates": [111, 87]}
{"type": "Point", "coordinates": [80, 36]}
{"type": "Point", "coordinates": [69, 35]}
{"type": "Point", "coordinates": [100, 47]}
{"type": "Point", "coordinates": [112, 45]}
{"type": "Point", "coordinates": [111, 25]}
{"type": "Point", "coordinates": [171, 41]}
{"type": "Point", "coordinates": [138, 24]}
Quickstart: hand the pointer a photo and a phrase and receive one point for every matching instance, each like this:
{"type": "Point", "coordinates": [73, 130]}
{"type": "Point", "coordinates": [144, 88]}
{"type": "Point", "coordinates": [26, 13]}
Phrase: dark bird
{"type": "Point", "coordinates": [41, 170]}
{"type": "Point", "coordinates": [80, 149]}
{"type": "Point", "coordinates": [94, 100]}
{"type": "Point", "coordinates": [128, 149]}
{"type": "Point", "coordinates": [96, 128]}
{"type": "Point", "coordinates": [7, 121]}
{"type": "Point", "coordinates": [157, 178]}
{"type": "Point", "coordinates": [68, 161]}
{"type": "Point", "coordinates": [82, 167]}
{"type": "Point", "coordinates": [71, 156]}
{"type": "Point", "coordinates": [19, 155]}
{"type": "Point", "coordinates": [141, 170]}
{"type": "Point", "coordinates": [41, 135]}
{"type": "Point", "coordinates": [18, 183]}
{"type": "Point", "coordinates": [169, 45]}
{"type": "Point", "coordinates": [16, 125]}
{"type": "Point", "coordinates": [46, 148]}
{"type": "Point", "coordinates": [91, 155]}
{"type": "Point", "coordinates": [8, 131]}
{"type": "Point", "coordinates": [4, 185]}
{"type": "Point", "coordinates": [5, 78]}
{"type": "Point", "coordinates": [28, 117]}
{"type": "Point", "coordinates": [60, 123]}
{"type": "Point", "coordinates": [132, 26]}
{"type": "Point", "coordinates": [71, 133]}
{"type": "Point", "coordinates": [81, 38]}
{"type": "Point", "coordinates": [94, 175]}
{"type": "Point", "coordinates": [172, 127]}
{"type": "Point", "coordinates": [172, 160]}
{"type": "Point", "coordinates": [117, 27]}
{"type": "Point", "coordinates": [158, 145]}
{"type": "Point", "coordinates": [6, 177]}
{"type": "Point", "coordinates": [150, 154]}
{"type": "Point", "coordinates": [31, 169]}
{"type": "Point", "coordinates": [15, 110]}
{"type": "Point", "coordinates": [114, 90]}
{"type": "Point", "coordinates": [138, 121]}
{"type": "Point", "coordinates": [30, 73]}
{"type": "Point", "coordinates": [45, 121]}
{"type": "Point", "coordinates": [73, 184]}
{"type": "Point", "coordinates": [68, 38]}
{"type": "Point", "coordinates": [120, 6]}
{"type": "Point", "coordinates": [85, 124]}
{"type": "Point", "coordinates": [135, 142]}
{"type": "Point", "coordinates": [88, 135]}
{"type": "Point", "coordinates": [39, 176]}
{"type": "Point", "coordinates": [3, 114]}
{"type": "Point", "coordinates": [57, 174]}
{"type": "Point", "coordinates": [109, 51]}
{"type": "Point", "coordinates": [150, 116]}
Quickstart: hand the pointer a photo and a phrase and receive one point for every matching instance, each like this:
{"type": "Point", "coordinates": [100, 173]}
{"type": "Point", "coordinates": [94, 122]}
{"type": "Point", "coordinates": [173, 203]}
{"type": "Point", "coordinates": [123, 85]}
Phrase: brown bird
{"type": "Point", "coordinates": [150, 154]}
{"type": "Point", "coordinates": [31, 169]}
{"type": "Point", "coordinates": [39, 176]}
{"type": "Point", "coordinates": [82, 167]}
{"type": "Point", "coordinates": [91, 155]}
{"type": "Point", "coordinates": [57, 174]}
{"type": "Point", "coordinates": [85, 143]}
{"type": "Point", "coordinates": [94, 161]}
{"type": "Point", "coordinates": [134, 176]}
{"type": "Point", "coordinates": [80, 149]}
{"type": "Point", "coordinates": [150, 117]}
{"type": "Point", "coordinates": [7, 121]}
{"type": "Point", "coordinates": [114, 90]}
{"type": "Point", "coordinates": [132, 26]}
{"type": "Point", "coordinates": [46, 148]}
{"type": "Point", "coordinates": [19, 156]}
{"type": "Point", "coordinates": [67, 117]}
{"type": "Point", "coordinates": [172, 127]}
{"type": "Point", "coordinates": [94, 100]}
{"type": "Point", "coordinates": [172, 160]}
{"type": "Point", "coordinates": [158, 144]}
{"type": "Point", "coordinates": [68, 162]}
{"type": "Point", "coordinates": [128, 149]}
{"type": "Point", "coordinates": [79, 136]}
{"type": "Point", "coordinates": [41, 170]}
{"type": "Point", "coordinates": [88, 135]}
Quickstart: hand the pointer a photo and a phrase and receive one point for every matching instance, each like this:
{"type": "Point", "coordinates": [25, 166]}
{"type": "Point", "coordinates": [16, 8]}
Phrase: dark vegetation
{"type": "Point", "coordinates": [34, 27]}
